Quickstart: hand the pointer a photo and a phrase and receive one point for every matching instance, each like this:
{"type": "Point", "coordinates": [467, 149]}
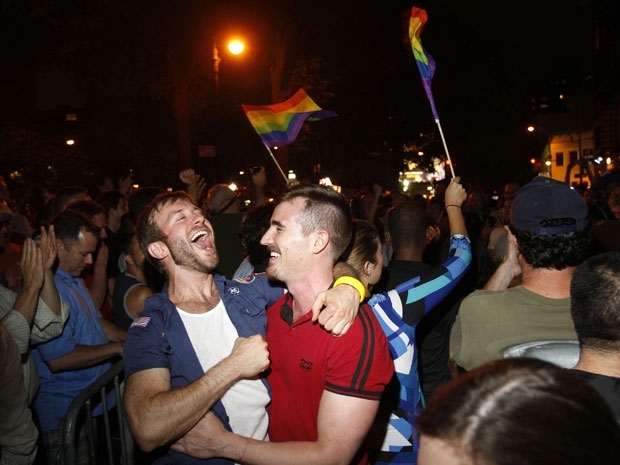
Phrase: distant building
{"type": "Point", "coordinates": [570, 158]}
{"type": "Point", "coordinates": [578, 118]}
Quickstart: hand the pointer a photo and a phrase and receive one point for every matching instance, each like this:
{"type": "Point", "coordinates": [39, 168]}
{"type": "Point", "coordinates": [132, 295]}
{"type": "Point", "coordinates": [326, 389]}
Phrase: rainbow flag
{"type": "Point", "coordinates": [279, 124]}
{"type": "Point", "coordinates": [425, 62]}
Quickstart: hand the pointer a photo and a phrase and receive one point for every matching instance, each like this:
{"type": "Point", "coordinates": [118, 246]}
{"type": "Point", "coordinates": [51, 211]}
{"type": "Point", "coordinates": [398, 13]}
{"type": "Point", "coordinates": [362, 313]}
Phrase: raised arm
{"type": "Point", "coordinates": [19, 310]}
{"type": "Point", "coordinates": [98, 289]}
{"type": "Point", "coordinates": [510, 267]}
{"type": "Point", "coordinates": [195, 184]}
{"type": "Point", "coordinates": [43, 312]}
{"type": "Point", "coordinates": [374, 204]}
{"type": "Point", "coordinates": [454, 198]}
{"type": "Point", "coordinates": [49, 293]}
{"type": "Point", "coordinates": [52, 312]}
{"type": "Point", "coordinates": [259, 179]}
{"type": "Point", "coordinates": [32, 272]}
{"type": "Point", "coordinates": [431, 288]}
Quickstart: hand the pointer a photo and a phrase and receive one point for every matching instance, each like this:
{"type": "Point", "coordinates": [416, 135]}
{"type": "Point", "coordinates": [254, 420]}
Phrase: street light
{"type": "Point", "coordinates": [547, 160]}
{"type": "Point", "coordinates": [235, 47]}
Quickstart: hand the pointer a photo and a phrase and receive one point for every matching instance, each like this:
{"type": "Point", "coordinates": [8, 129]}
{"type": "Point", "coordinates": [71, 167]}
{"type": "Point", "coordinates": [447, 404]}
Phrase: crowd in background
{"type": "Point", "coordinates": [116, 279]}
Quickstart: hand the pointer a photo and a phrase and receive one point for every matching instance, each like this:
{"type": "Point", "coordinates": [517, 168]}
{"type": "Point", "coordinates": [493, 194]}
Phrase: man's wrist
{"type": "Point", "coordinates": [243, 450]}
{"type": "Point", "coordinates": [354, 283]}
{"type": "Point", "coordinates": [31, 288]}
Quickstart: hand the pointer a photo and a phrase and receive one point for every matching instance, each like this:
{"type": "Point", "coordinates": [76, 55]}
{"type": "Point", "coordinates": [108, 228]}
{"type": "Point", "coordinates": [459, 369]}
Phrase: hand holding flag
{"type": "Point", "coordinates": [426, 65]}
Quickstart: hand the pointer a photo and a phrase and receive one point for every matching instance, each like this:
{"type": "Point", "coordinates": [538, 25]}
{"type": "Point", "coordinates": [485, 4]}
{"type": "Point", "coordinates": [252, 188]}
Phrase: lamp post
{"type": "Point", "coordinates": [235, 47]}
{"type": "Point", "coordinates": [216, 82]}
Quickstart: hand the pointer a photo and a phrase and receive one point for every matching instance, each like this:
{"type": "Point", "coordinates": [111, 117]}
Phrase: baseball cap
{"type": "Point", "coordinates": [545, 206]}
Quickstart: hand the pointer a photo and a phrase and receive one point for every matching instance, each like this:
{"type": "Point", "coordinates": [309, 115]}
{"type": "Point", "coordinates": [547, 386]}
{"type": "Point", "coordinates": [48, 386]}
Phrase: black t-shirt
{"type": "Point", "coordinates": [607, 386]}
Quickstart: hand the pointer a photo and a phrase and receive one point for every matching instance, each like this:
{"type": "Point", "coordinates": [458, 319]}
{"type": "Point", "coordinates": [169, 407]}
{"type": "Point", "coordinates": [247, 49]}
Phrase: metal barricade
{"type": "Point", "coordinates": [79, 421]}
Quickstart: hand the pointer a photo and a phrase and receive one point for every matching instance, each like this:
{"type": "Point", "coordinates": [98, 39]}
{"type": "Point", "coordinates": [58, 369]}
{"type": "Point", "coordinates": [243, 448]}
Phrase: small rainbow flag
{"type": "Point", "coordinates": [279, 124]}
{"type": "Point", "coordinates": [425, 62]}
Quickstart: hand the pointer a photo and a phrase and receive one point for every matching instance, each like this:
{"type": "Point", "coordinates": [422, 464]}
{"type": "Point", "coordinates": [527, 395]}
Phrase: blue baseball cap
{"type": "Point", "coordinates": [545, 207]}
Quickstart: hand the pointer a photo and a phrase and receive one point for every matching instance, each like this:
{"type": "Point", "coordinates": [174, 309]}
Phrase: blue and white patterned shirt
{"type": "Point", "coordinates": [391, 308]}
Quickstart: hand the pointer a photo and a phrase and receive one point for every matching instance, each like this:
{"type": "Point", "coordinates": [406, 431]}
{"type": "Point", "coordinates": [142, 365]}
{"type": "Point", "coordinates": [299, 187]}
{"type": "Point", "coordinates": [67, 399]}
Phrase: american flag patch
{"type": "Point", "coordinates": [142, 321]}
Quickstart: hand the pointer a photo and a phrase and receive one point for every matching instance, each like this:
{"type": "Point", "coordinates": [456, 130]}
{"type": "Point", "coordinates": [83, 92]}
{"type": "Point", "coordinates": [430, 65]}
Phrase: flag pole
{"type": "Point", "coordinates": [445, 146]}
{"type": "Point", "coordinates": [276, 162]}
{"type": "Point", "coordinates": [426, 66]}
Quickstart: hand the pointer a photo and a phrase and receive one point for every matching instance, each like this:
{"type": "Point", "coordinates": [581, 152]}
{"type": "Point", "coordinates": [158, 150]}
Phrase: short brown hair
{"type": "Point", "coordinates": [147, 229]}
{"type": "Point", "coordinates": [324, 209]}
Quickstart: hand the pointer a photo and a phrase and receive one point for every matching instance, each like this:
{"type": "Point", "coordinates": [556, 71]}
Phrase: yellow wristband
{"type": "Point", "coordinates": [355, 283]}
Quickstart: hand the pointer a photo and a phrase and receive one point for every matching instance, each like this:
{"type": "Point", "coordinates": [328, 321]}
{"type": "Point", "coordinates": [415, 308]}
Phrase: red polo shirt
{"type": "Point", "coordinates": [306, 360]}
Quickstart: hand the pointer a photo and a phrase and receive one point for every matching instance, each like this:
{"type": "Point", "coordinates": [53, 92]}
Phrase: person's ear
{"type": "Point", "coordinates": [432, 233]}
{"type": "Point", "coordinates": [158, 250]}
{"type": "Point", "coordinates": [129, 259]}
{"type": "Point", "coordinates": [321, 239]}
{"type": "Point", "coordinates": [368, 268]}
{"type": "Point", "coordinates": [60, 245]}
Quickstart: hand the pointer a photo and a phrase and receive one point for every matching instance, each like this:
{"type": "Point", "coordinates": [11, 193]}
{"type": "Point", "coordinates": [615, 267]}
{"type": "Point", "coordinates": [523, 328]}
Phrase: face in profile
{"type": "Point", "coordinates": [288, 246]}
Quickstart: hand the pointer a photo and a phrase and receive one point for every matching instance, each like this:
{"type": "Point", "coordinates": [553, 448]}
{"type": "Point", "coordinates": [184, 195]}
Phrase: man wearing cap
{"type": "Point", "coordinates": [547, 239]}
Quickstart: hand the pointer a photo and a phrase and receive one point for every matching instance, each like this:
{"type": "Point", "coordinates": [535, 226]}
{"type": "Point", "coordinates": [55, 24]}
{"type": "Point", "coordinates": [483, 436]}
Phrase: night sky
{"type": "Point", "coordinates": [490, 57]}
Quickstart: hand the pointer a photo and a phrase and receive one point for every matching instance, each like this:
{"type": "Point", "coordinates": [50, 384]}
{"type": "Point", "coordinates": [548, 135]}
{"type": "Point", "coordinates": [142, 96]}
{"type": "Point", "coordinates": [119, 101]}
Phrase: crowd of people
{"type": "Point", "coordinates": [316, 327]}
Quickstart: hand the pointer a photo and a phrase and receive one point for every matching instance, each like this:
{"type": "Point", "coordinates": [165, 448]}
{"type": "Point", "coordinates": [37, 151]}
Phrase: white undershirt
{"type": "Point", "coordinates": [212, 335]}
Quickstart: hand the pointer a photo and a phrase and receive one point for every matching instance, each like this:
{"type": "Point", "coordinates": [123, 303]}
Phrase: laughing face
{"type": "Point", "coordinates": [190, 238]}
{"type": "Point", "coordinates": [289, 248]}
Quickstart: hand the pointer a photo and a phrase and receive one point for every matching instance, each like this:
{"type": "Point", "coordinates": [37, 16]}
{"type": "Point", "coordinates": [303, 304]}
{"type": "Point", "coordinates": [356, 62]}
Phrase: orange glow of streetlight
{"type": "Point", "coordinates": [236, 46]}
